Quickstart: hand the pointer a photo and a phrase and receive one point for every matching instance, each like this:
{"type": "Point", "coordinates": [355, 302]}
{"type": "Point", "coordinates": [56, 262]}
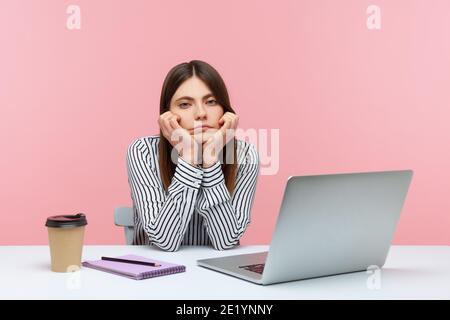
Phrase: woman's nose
{"type": "Point", "coordinates": [200, 112]}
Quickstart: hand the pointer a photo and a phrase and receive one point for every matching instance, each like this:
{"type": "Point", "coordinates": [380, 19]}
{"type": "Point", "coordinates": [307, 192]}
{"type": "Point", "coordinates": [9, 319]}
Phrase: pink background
{"type": "Point", "coordinates": [345, 99]}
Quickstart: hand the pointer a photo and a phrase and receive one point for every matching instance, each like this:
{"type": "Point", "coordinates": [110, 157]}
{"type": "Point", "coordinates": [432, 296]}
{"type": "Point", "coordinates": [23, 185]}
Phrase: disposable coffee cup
{"type": "Point", "coordinates": [65, 237]}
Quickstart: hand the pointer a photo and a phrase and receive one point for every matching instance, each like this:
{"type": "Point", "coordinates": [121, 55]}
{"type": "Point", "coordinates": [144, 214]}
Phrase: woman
{"type": "Point", "coordinates": [185, 189]}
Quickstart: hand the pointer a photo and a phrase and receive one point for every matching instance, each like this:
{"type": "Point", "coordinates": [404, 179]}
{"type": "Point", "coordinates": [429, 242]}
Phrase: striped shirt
{"type": "Point", "coordinates": [197, 208]}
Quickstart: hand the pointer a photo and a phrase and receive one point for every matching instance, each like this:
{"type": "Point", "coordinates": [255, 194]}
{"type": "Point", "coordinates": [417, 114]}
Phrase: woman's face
{"type": "Point", "coordinates": [193, 101]}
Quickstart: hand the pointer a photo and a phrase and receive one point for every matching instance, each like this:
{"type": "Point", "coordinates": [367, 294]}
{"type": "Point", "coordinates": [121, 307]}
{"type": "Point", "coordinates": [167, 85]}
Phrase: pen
{"type": "Point", "coordinates": [151, 264]}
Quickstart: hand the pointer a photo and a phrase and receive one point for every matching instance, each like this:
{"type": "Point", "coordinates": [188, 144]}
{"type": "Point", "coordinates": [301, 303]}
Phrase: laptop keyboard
{"type": "Point", "coordinates": [258, 268]}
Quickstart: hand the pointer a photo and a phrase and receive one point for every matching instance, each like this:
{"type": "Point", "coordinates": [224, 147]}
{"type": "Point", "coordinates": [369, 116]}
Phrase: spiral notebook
{"type": "Point", "coordinates": [135, 271]}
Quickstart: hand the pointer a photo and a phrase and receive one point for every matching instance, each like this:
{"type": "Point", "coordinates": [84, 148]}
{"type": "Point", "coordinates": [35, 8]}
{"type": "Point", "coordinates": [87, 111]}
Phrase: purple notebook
{"type": "Point", "coordinates": [135, 271]}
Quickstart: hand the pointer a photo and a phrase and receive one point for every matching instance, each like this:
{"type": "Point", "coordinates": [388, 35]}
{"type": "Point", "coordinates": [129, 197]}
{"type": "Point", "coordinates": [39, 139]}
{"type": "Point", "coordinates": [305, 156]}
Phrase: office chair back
{"type": "Point", "coordinates": [124, 217]}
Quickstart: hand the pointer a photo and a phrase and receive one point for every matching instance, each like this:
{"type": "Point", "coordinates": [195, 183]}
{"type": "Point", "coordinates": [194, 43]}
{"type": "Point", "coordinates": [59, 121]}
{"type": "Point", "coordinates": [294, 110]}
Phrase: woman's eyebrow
{"type": "Point", "coordinates": [190, 98]}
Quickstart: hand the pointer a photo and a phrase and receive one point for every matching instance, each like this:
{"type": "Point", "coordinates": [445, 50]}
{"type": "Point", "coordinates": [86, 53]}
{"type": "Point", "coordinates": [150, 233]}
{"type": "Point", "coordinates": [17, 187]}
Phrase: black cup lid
{"type": "Point", "coordinates": [66, 221]}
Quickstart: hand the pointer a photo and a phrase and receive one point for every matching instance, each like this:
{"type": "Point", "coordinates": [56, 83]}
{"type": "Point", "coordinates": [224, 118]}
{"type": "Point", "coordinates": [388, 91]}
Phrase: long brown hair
{"type": "Point", "coordinates": [176, 76]}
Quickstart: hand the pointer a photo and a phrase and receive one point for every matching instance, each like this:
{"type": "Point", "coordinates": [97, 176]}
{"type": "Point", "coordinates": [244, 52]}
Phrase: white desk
{"type": "Point", "coordinates": [421, 272]}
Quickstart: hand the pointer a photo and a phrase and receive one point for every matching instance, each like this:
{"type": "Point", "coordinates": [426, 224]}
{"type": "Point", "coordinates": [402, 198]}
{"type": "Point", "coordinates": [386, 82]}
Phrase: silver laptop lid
{"type": "Point", "coordinates": [337, 223]}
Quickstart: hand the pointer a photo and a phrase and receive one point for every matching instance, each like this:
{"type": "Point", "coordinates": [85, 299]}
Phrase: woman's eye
{"type": "Point", "coordinates": [184, 105]}
{"type": "Point", "coordinates": [211, 102]}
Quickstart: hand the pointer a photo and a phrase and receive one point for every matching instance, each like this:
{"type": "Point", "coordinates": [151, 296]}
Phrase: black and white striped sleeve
{"type": "Point", "coordinates": [227, 217]}
{"type": "Point", "coordinates": [164, 215]}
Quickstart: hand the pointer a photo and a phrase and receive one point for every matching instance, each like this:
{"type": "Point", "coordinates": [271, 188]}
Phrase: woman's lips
{"type": "Point", "coordinates": [203, 128]}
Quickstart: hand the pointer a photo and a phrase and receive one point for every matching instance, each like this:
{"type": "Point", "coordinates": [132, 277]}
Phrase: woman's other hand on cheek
{"type": "Point", "coordinates": [213, 144]}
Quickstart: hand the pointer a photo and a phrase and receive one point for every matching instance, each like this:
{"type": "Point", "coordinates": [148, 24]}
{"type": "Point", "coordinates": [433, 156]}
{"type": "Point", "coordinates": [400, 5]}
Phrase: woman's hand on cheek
{"type": "Point", "coordinates": [215, 143]}
{"type": "Point", "coordinates": [229, 123]}
{"type": "Point", "coordinates": [186, 146]}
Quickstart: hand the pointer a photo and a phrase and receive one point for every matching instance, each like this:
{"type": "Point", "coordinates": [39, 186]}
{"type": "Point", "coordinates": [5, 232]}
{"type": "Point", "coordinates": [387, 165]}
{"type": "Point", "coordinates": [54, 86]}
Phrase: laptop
{"type": "Point", "coordinates": [327, 225]}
